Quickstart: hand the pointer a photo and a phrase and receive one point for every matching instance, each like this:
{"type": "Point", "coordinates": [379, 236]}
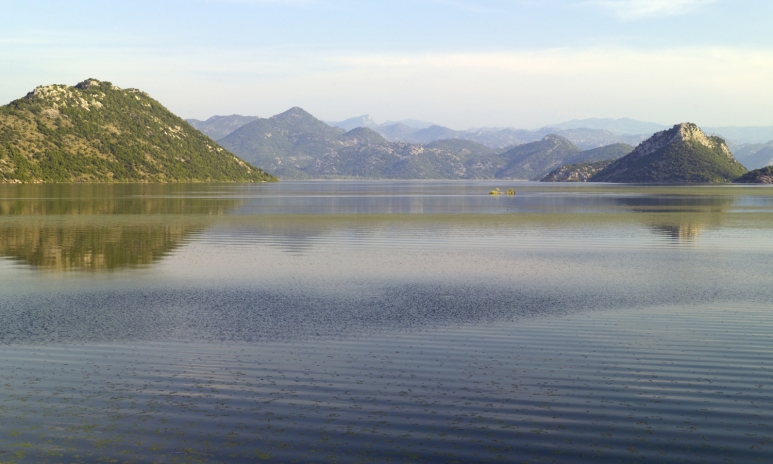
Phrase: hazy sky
{"type": "Point", "coordinates": [461, 63]}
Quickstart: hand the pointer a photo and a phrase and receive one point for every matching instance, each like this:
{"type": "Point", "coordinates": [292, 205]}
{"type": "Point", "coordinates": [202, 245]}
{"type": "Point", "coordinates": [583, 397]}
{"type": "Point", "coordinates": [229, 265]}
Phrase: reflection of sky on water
{"type": "Point", "coordinates": [327, 322]}
{"type": "Point", "coordinates": [666, 384]}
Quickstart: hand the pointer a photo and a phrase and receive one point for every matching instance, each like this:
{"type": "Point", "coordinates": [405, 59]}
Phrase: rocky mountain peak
{"type": "Point", "coordinates": [682, 154]}
{"type": "Point", "coordinates": [89, 83]}
{"type": "Point", "coordinates": [683, 132]}
{"type": "Point", "coordinates": [688, 131]}
{"type": "Point", "coordinates": [294, 112]}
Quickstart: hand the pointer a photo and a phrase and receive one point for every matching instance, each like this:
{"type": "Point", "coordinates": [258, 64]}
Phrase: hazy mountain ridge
{"type": "Point", "coordinates": [367, 121]}
{"type": "Point", "coordinates": [503, 138]}
{"type": "Point", "coordinates": [533, 160]}
{"type": "Point", "coordinates": [295, 145]}
{"type": "Point", "coordinates": [218, 127]}
{"type": "Point", "coordinates": [754, 155]}
{"type": "Point", "coordinates": [585, 133]}
{"type": "Point", "coordinates": [622, 126]}
{"type": "Point", "coordinates": [682, 154]}
{"type": "Point", "coordinates": [97, 132]}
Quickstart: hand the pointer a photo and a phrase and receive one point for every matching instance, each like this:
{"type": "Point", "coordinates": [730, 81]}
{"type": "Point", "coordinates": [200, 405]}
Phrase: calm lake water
{"type": "Point", "coordinates": [386, 321]}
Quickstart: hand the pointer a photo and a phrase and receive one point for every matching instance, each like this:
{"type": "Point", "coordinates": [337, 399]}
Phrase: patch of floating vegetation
{"type": "Point", "coordinates": [656, 384]}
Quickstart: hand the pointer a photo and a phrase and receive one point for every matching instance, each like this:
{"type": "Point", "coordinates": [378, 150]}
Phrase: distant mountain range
{"type": "Point", "coordinates": [622, 126]}
{"type": "Point", "coordinates": [412, 131]}
{"type": "Point", "coordinates": [584, 134]}
{"type": "Point", "coordinates": [296, 145]}
{"type": "Point", "coordinates": [368, 122]}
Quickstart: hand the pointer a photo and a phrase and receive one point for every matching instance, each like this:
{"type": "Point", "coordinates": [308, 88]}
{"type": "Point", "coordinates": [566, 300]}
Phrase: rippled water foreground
{"type": "Point", "coordinates": [385, 321]}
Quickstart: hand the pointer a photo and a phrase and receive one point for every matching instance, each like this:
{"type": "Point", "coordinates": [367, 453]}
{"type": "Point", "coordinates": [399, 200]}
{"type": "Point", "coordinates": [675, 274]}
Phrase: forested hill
{"type": "Point", "coordinates": [682, 154]}
{"type": "Point", "coordinates": [97, 132]}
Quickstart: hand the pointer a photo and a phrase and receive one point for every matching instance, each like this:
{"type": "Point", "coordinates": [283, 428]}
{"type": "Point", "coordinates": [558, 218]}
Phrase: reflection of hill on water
{"type": "Point", "coordinates": [94, 246]}
{"type": "Point", "coordinates": [100, 227]}
{"type": "Point", "coordinates": [122, 199]}
{"type": "Point", "coordinates": [681, 204]}
{"type": "Point", "coordinates": [679, 231]}
{"type": "Point", "coordinates": [680, 218]}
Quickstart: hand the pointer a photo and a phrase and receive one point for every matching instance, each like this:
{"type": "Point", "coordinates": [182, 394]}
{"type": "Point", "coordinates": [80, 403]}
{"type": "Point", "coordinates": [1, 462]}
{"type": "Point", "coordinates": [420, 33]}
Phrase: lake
{"type": "Point", "coordinates": [386, 321]}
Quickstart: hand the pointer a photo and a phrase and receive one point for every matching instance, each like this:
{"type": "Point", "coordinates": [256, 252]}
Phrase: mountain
{"type": "Point", "coordinates": [369, 122]}
{"type": "Point", "coordinates": [373, 157]}
{"type": "Point", "coordinates": [595, 138]}
{"type": "Point", "coordinates": [396, 132]}
{"type": "Point", "coordinates": [758, 176]}
{"type": "Point", "coordinates": [742, 151]}
{"type": "Point", "coordinates": [760, 159]}
{"type": "Point", "coordinates": [414, 123]}
{"type": "Point", "coordinates": [284, 143]}
{"type": "Point", "coordinates": [97, 132]}
{"type": "Point", "coordinates": [585, 133]}
{"type": "Point", "coordinates": [754, 155]}
{"type": "Point", "coordinates": [752, 134]}
{"type": "Point", "coordinates": [353, 123]}
{"type": "Point", "coordinates": [431, 134]}
{"type": "Point", "coordinates": [218, 127]}
{"type": "Point", "coordinates": [296, 145]}
{"type": "Point", "coordinates": [682, 154]}
{"type": "Point", "coordinates": [623, 126]}
{"type": "Point", "coordinates": [534, 159]}
{"type": "Point", "coordinates": [502, 138]}
{"type": "Point", "coordinates": [609, 152]}
{"type": "Point", "coordinates": [579, 172]}
{"type": "Point", "coordinates": [463, 148]}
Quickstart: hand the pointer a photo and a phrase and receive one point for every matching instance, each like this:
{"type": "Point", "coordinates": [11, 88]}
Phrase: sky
{"type": "Point", "coordinates": [459, 63]}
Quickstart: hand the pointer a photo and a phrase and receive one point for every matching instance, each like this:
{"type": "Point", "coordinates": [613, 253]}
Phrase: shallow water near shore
{"type": "Point", "coordinates": [386, 321]}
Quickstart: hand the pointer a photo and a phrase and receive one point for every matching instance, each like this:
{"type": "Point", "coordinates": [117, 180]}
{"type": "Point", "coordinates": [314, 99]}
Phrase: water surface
{"type": "Point", "coordinates": [372, 321]}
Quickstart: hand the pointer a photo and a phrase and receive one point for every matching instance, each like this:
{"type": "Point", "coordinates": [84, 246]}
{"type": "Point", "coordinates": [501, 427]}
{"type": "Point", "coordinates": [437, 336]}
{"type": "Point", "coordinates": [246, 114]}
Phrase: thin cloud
{"type": "Point", "coordinates": [637, 9]}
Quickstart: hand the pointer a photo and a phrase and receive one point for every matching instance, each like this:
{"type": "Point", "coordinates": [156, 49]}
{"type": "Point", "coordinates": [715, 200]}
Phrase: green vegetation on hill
{"type": "Point", "coordinates": [683, 154]}
{"type": "Point", "coordinates": [284, 144]}
{"type": "Point", "coordinates": [758, 176]}
{"type": "Point", "coordinates": [610, 152]}
{"type": "Point", "coordinates": [463, 148]}
{"type": "Point", "coordinates": [579, 172]}
{"type": "Point", "coordinates": [96, 132]}
{"type": "Point", "coordinates": [534, 159]}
